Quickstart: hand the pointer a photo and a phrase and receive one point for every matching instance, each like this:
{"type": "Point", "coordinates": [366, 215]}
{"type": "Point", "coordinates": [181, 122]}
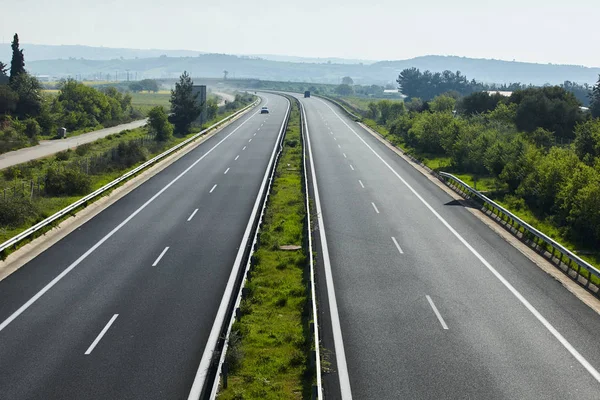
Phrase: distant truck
{"type": "Point", "coordinates": [307, 94]}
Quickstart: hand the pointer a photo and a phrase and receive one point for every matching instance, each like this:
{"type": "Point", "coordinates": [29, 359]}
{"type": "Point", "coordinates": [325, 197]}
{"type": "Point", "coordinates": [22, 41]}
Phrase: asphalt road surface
{"type": "Point", "coordinates": [423, 300]}
{"type": "Point", "coordinates": [145, 278]}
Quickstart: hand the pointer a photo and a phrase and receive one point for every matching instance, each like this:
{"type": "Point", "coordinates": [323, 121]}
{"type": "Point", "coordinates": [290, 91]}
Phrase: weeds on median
{"type": "Point", "coordinates": [269, 347]}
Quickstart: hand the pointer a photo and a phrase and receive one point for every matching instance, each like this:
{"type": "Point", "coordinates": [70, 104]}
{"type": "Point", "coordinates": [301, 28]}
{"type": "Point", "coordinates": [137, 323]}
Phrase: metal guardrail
{"type": "Point", "coordinates": [564, 257]}
{"type": "Point", "coordinates": [83, 201]}
{"type": "Point", "coordinates": [573, 263]}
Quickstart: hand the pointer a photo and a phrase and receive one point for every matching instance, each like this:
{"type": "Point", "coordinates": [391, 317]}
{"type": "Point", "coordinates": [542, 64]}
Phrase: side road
{"type": "Point", "coordinates": [48, 147]}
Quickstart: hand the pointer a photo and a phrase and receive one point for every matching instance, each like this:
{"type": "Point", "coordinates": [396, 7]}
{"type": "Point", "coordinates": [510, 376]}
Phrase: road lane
{"type": "Point", "coordinates": [165, 311]}
{"type": "Point", "coordinates": [395, 346]}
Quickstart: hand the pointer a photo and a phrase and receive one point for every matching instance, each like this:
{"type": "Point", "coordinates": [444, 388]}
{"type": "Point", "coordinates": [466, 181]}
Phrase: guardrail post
{"type": "Point", "coordinates": [224, 373]}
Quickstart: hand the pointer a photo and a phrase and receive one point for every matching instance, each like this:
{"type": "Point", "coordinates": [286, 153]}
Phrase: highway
{"type": "Point", "coordinates": [122, 307]}
{"type": "Point", "coordinates": [420, 299]}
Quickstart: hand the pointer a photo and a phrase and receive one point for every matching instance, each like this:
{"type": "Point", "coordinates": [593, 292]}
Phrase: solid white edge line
{"type": "Point", "coordinates": [375, 207]}
{"type": "Point", "coordinates": [213, 188]}
{"type": "Point", "coordinates": [361, 184]}
{"type": "Point", "coordinates": [192, 216]}
{"type": "Point", "coordinates": [437, 313]}
{"type": "Point", "coordinates": [226, 171]}
{"type": "Point", "coordinates": [507, 284]}
{"type": "Point", "coordinates": [312, 272]}
{"type": "Point", "coordinates": [397, 245]}
{"type": "Point", "coordinates": [340, 354]}
{"type": "Point", "coordinates": [49, 286]}
{"type": "Point", "coordinates": [102, 333]}
{"type": "Point", "coordinates": [160, 256]}
{"type": "Point", "coordinates": [200, 378]}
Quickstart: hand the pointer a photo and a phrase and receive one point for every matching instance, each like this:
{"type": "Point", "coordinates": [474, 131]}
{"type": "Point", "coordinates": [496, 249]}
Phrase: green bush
{"type": "Point", "coordinates": [83, 149]}
{"type": "Point", "coordinates": [15, 211]}
{"type": "Point", "coordinates": [32, 129]}
{"type": "Point", "coordinates": [129, 154]}
{"type": "Point", "coordinates": [63, 155]}
{"type": "Point", "coordinates": [69, 182]}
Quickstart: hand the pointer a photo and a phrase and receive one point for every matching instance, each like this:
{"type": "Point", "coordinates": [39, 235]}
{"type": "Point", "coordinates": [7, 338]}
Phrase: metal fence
{"type": "Point", "coordinates": [574, 266]}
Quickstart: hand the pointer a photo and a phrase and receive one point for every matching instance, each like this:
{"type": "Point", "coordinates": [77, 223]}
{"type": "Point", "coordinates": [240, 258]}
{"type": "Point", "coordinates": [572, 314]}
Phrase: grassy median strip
{"type": "Point", "coordinates": [270, 344]}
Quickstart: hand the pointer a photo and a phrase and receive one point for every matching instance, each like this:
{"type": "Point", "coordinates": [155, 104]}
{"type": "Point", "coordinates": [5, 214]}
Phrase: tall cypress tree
{"type": "Point", "coordinates": [17, 64]}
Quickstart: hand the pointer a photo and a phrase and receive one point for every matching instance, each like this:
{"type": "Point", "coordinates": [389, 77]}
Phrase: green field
{"type": "Point", "coordinates": [144, 101]}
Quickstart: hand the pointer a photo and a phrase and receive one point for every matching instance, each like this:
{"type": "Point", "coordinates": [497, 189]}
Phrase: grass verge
{"type": "Point", "coordinates": [270, 344]}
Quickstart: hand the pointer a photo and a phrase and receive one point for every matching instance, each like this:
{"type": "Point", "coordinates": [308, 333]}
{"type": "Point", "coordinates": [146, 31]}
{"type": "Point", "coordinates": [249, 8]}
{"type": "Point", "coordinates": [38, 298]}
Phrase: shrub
{"type": "Point", "coordinates": [63, 155]}
{"type": "Point", "coordinates": [129, 154]}
{"type": "Point", "coordinates": [69, 182]}
{"type": "Point", "coordinates": [16, 211]}
{"type": "Point", "coordinates": [32, 129]}
{"type": "Point", "coordinates": [83, 149]}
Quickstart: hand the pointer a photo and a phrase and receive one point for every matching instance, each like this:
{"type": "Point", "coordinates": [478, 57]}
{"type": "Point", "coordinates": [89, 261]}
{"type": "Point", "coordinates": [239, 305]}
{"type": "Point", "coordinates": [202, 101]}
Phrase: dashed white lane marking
{"type": "Point", "coordinates": [437, 313]}
{"type": "Point", "coordinates": [339, 146]}
{"type": "Point", "coordinates": [375, 207]}
{"type": "Point", "coordinates": [102, 333]}
{"type": "Point", "coordinates": [161, 256]}
{"type": "Point", "coordinates": [562, 340]}
{"type": "Point", "coordinates": [344, 155]}
{"type": "Point", "coordinates": [226, 171]}
{"type": "Point", "coordinates": [361, 184]}
{"type": "Point", "coordinates": [249, 140]}
{"type": "Point", "coordinates": [351, 167]}
{"type": "Point", "coordinates": [244, 148]}
{"type": "Point", "coordinates": [238, 156]}
{"type": "Point", "coordinates": [213, 188]}
{"type": "Point", "coordinates": [397, 245]}
{"type": "Point", "coordinates": [192, 216]}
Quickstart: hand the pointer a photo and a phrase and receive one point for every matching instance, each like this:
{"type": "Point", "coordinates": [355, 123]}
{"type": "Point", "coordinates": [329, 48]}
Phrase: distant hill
{"type": "Point", "coordinates": [98, 62]}
{"type": "Point", "coordinates": [498, 71]}
{"type": "Point", "coordinates": [36, 52]}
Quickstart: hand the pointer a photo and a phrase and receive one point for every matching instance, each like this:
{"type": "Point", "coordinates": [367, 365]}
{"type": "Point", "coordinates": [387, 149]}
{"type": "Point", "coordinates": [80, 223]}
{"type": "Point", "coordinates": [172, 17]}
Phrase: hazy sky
{"type": "Point", "coordinates": [546, 31]}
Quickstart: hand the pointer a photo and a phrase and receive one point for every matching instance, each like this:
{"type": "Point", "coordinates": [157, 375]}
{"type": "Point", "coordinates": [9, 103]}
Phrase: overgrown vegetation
{"type": "Point", "coordinates": [268, 353]}
{"type": "Point", "coordinates": [536, 151]}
